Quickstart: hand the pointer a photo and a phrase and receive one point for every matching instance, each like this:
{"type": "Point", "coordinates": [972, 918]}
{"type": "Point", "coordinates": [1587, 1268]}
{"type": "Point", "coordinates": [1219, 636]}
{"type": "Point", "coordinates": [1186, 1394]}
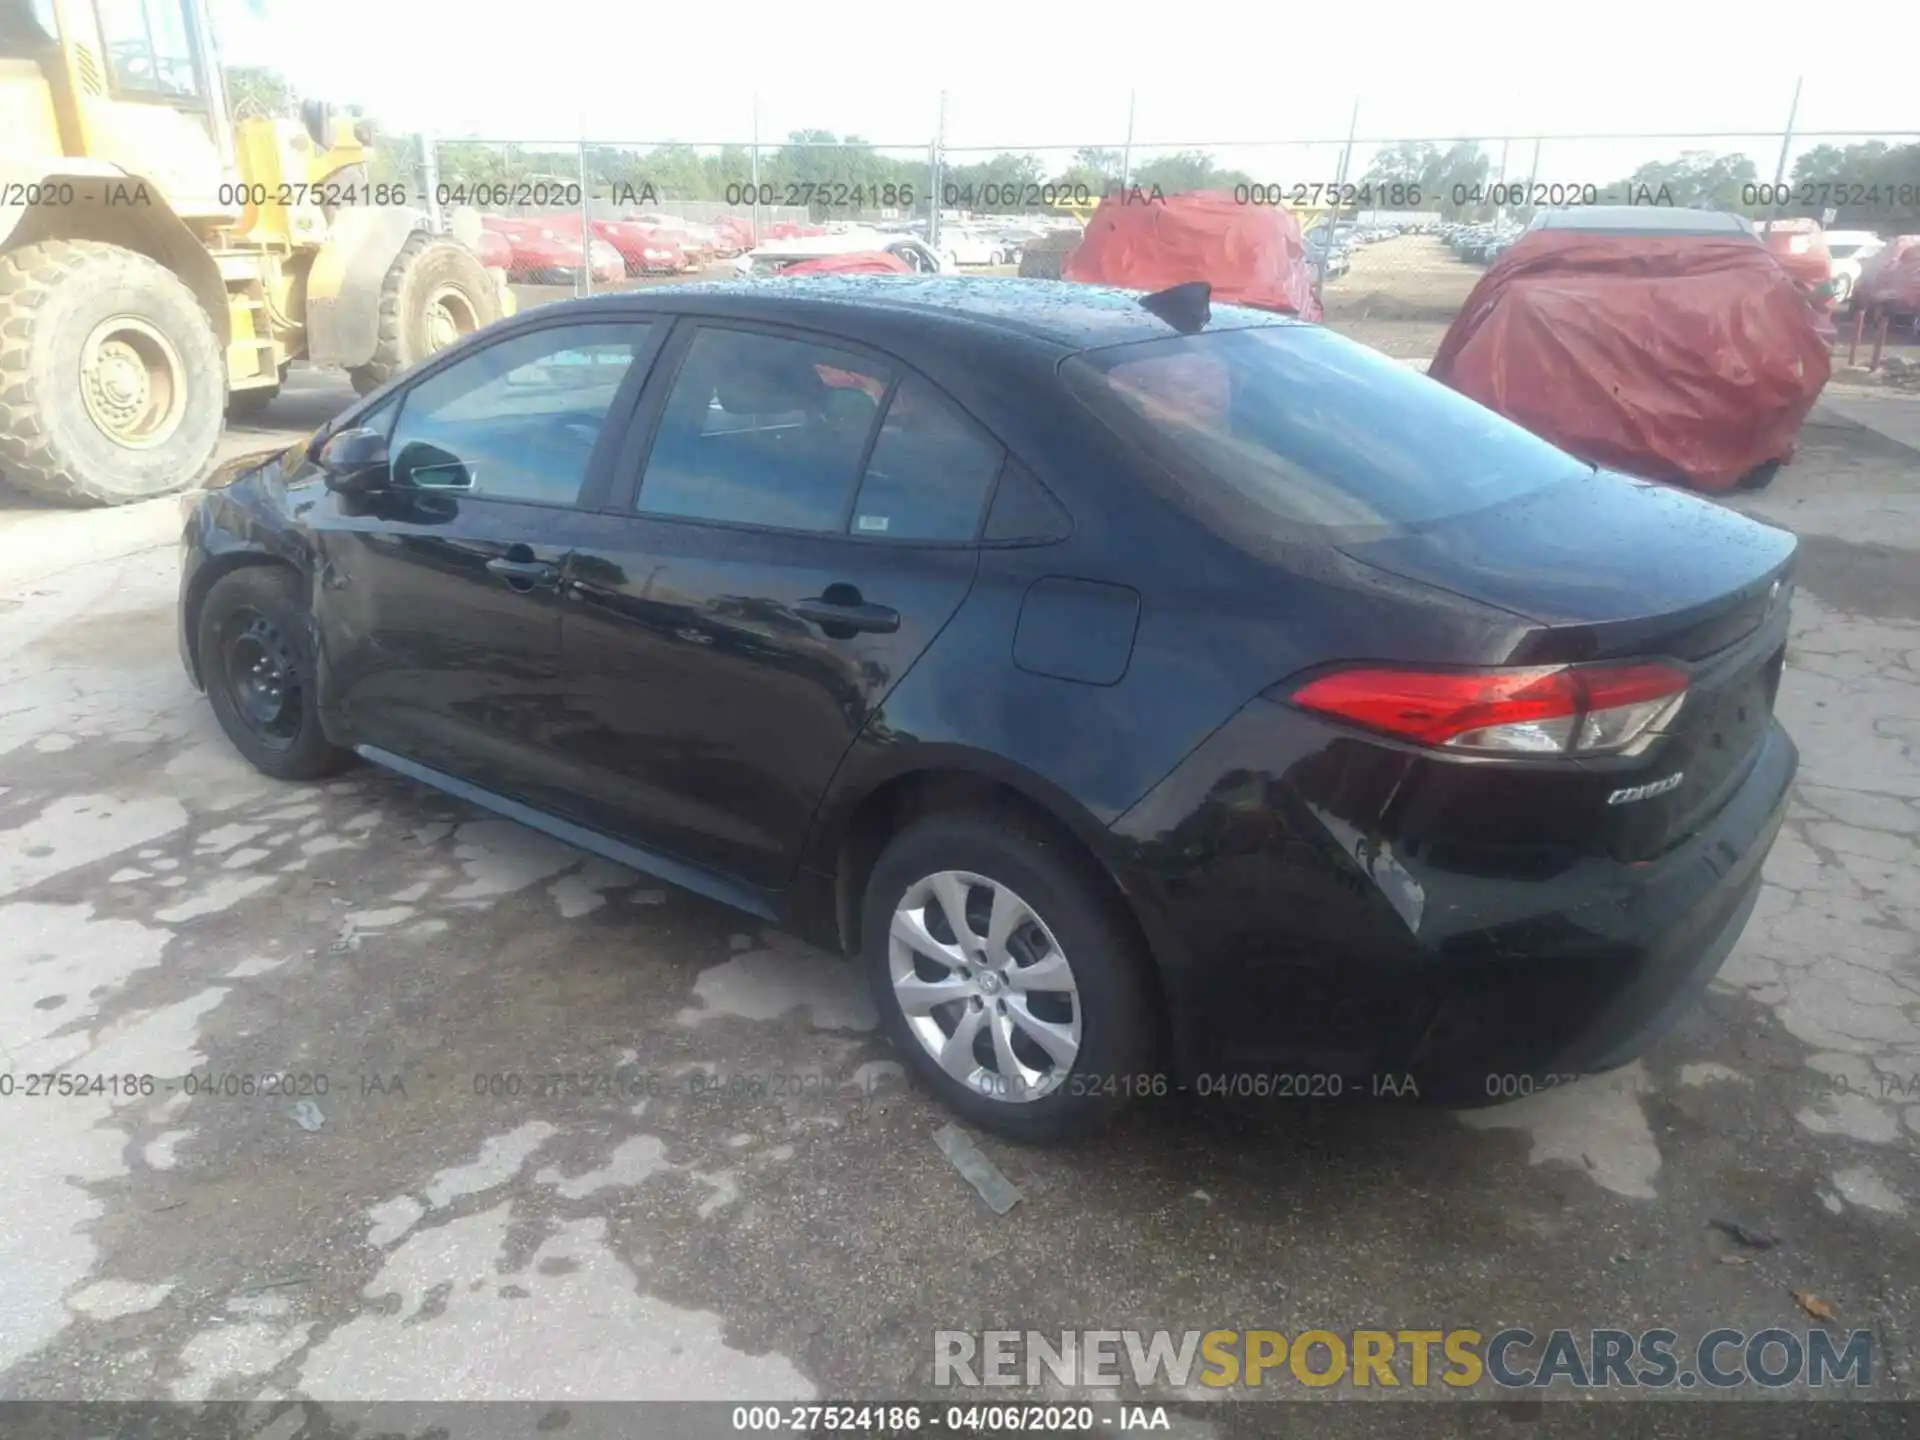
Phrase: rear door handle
{"type": "Point", "coordinates": [524, 572]}
{"type": "Point", "coordinates": [848, 617]}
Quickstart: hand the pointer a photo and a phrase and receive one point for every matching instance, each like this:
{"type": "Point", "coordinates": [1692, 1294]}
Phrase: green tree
{"type": "Point", "coordinates": [1872, 185]}
{"type": "Point", "coordinates": [254, 92]}
{"type": "Point", "coordinates": [1696, 178]}
{"type": "Point", "coordinates": [1459, 170]}
{"type": "Point", "coordinates": [1186, 170]}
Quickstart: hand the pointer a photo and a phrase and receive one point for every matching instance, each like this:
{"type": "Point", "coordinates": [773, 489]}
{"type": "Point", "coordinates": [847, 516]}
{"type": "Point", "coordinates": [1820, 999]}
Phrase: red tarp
{"type": "Point", "coordinates": [1891, 279]}
{"type": "Point", "coordinates": [1685, 358]}
{"type": "Point", "coordinates": [858, 262]}
{"type": "Point", "coordinates": [1249, 254]}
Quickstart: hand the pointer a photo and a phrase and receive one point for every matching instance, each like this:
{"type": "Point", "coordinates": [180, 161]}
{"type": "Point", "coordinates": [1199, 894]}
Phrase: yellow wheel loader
{"type": "Point", "coordinates": [161, 266]}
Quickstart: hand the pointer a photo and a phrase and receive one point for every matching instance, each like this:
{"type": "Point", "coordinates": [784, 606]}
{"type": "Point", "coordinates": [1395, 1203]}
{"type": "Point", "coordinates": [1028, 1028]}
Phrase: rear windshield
{"type": "Point", "coordinates": [1304, 428]}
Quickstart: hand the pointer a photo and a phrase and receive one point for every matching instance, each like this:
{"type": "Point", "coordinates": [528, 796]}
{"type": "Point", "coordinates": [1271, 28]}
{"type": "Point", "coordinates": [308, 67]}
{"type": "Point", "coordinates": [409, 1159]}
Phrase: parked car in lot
{"type": "Point", "coordinates": [1248, 254]}
{"type": "Point", "coordinates": [1890, 279]}
{"type": "Point", "coordinates": [548, 251]}
{"type": "Point", "coordinates": [1033, 643]}
{"type": "Point", "coordinates": [702, 243]}
{"type": "Point", "coordinates": [496, 251]}
{"type": "Point", "coordinates": [1664, 341]}
{"type": "Point", "coordinates": [1849, 252]}
{"type": "Point", "coordinates": [775, 256]}
{"type": "Point", "coordinates": [1326, 254]}
{"type": "Point", "coordinates": [643, 249]}
{"type": "Point", "coordinates": [975, 247]}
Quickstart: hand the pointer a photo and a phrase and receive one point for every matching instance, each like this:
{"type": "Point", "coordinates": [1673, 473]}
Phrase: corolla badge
{"type": "Point", "coordinates": [1642, 792]}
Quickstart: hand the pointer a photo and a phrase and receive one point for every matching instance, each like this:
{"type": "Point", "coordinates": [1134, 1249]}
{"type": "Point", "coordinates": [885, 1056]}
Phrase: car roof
{"type": "Point", "coordinates": [1066, 315]}
{"type": "Point", "coordinates": [1642, 220]}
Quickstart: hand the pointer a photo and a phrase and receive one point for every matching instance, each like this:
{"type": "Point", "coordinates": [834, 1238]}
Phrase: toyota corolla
{"type": "Point", "coordinates": [1145, 692]}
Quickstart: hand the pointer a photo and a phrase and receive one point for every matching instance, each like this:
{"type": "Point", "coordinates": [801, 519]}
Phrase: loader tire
{"type": "Point", "coordinates": [435, 292]}
{"type": "Point", "coordinates": [246, 405]}
{"type": "Point", "coordinates": [112, 383]}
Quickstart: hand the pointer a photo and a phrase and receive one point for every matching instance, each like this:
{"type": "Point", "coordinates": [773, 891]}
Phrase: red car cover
{"type": "Point", "coordinates": [1249, 254]}
{"type": "Point", "coordinates": [1686, 358]}
{"type": "Point", "coordinates": [859, 262]}
{"type": "Point", "coordinates": [1891, 279]}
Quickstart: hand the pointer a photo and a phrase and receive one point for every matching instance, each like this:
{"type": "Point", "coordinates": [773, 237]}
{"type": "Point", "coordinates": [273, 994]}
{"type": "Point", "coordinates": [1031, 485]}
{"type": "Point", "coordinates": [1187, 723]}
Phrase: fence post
{"type": "Point", "coordinates": [935, 160]}
{"type": "Point", "coordinates": [1786, 144]}
{"type": "Point", "coordinates": [1126, 152]}
{"type": "Point", "coordinates": [753, 160]}
{"type": "Point", "coordinates": [430, 182]}
{"type": "Point", "coordinates": [586, 230]}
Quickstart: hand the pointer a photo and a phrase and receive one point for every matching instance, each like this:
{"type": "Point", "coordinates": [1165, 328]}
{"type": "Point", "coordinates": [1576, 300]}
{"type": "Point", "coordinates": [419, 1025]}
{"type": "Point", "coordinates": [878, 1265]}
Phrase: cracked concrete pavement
{"type": "Point", "coordinates": [737, 1196]}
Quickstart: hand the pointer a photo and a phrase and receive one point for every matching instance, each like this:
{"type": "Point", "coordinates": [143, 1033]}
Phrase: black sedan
{"type": "Point", "coordinates": [1149, 694]}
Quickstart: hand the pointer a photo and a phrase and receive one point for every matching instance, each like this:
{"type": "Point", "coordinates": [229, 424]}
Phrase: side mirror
{"type": "Point", "coordinates": [355, 462]}
{"type": "Point", "coordinates": [420, 466]}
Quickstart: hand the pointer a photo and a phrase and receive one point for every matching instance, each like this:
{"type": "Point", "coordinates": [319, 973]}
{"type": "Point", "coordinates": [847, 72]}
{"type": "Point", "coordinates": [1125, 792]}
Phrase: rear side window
{"type": "Point", "coordinates": [760, 430]}
{"type": "Point", "coordinates": [1294, 426]}
{"type": "Point", "coordinates": [930, 471]}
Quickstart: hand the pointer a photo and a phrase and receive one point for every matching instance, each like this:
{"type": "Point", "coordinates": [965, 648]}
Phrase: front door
{"type": "Point", "coordinates": [805, 523]}
{"type": "Point", "coordinates": [438, 602]}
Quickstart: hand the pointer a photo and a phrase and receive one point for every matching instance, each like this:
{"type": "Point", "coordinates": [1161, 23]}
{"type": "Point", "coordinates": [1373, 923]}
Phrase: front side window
{"type": "Point", "coordinates": [517, 419]}
{"type": "Point", "coordinates": [149, 50]}
{"type": "Point", "coordinates": [761, 430]}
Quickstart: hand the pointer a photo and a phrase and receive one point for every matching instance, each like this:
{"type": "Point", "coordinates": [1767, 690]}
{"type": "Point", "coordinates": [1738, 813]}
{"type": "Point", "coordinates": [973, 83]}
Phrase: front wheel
{"type": "Point", "coordinates": [436, 292]}
{"type": "Point", "coordinates": [1006, 977]}
{"type": "Point", "coordinates": [255, 659]}
{"type": "Point", "coordinates": [112, 381]}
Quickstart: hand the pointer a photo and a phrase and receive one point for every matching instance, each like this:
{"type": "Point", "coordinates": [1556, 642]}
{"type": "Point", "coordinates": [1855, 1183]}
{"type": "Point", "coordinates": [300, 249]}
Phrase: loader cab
{"type": "Point", "coordinates": [131, 83]}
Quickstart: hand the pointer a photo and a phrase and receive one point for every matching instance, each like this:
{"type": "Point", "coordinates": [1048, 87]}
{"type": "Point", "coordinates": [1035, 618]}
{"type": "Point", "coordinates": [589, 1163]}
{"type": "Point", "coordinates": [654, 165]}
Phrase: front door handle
{"type": "Point", "coordinates": [524, 573]}
{"type": "Point", "coordinates": [842, 618]}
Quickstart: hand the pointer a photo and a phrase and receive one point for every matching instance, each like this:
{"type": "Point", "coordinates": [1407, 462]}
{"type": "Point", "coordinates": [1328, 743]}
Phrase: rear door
{"type": "Point", "coordinates": [438, 602]}
{"type": "Point", "coordinates": [801, 524]}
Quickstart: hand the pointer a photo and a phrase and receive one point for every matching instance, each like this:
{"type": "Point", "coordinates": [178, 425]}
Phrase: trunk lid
{"type": "Point", "coordinates": [1611, 569]}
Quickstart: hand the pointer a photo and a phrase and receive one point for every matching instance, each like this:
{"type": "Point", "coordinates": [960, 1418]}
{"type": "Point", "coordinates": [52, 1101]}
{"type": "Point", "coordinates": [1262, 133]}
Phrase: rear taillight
{"type": "Point", "coordinates": [1562, 710]}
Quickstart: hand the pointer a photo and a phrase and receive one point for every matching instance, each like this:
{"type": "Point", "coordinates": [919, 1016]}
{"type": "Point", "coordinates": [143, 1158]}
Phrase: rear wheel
{"type": "Point", "coordinates": [1005, 976]}
{"type": "Point", "coordinates": [436, 292]}
{"type": "Point", "coordinates": [112, 383]}
{"type": "Point", "coordinates": [254, 658]}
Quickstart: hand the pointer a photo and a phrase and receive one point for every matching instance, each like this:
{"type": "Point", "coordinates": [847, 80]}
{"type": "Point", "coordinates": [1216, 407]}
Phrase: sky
{"type": "Point", "coordinates": [1057, 73]}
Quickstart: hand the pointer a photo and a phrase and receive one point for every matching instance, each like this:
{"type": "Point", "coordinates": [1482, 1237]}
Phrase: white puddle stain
{"type": "Point", "coordinates": [500, 857]}
{"type": "Point", "coordinates": [77, 830]}
{"type": "Point", "coordinates": [1860, 1186]}
{"type": "Point", "coordinates": [768, 984]}
{"type": "Point", "coordinates": [1596, 1125]}
{"type": "Point", "coordinates": [54, 1151]}
{"type": "Point", "coordinates": [223, 892]}
{"type": "Point", "coordinates": [111, 1299]}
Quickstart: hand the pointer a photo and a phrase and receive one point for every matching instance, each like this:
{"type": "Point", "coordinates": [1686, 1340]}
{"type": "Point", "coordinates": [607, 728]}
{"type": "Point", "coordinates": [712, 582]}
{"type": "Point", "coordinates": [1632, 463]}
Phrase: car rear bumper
{"type": "Point", "coordinates": [1290, 943]}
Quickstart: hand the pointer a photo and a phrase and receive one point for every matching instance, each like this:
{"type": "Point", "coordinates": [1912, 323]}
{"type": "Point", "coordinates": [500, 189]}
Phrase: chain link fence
{"type": "Point", "coordinates": [1402, 227]}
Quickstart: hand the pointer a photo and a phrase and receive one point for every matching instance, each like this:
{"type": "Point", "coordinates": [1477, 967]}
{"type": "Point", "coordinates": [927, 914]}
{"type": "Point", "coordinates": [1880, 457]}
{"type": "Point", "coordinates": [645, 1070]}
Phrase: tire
{"type": "Point", "coordinates": [255, 616]}
{"type": "Point", "coordinates": [244, 405]}
{"type": "Point", "coordinates": [436, 290]}
{"type": "Point", "coordinates": [1061, 888]}
{"type": "Point", "coordinates": [1760, 477]}
{"type": "Point", "coordinates": [54, 298]}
